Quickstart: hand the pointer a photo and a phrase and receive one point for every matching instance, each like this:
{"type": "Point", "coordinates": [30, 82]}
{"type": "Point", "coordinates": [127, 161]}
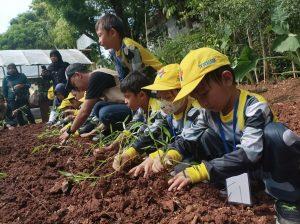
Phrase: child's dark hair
{"type": "Point", "coordinates": [215, 75]}
{"type": "Point", "coordinates": [134, 82]}
{"type": "Point", "coordinates": [109, 21]}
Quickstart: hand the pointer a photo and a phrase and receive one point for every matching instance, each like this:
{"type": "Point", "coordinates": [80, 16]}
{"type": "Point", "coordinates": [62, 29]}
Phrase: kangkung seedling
{"type": "Point", "coordinates": [48, 133]}
{"type": "Point", "coordinates": [44, 146]}
{"type": "Point", "coordinates": [38, 148]}
{"type": "Point", "coordinates": [3, 175]}
{"type": "Point", "coordinates": [81, 176]}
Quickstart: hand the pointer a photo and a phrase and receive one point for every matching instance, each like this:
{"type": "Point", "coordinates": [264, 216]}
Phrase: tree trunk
{"type": "Point", "coordinates": [118, 8]}
{"type": "Point", "coordinates": [146, 31]}
{"type": "Point", "coordinates": [264, 54]}
{"type": "Point", "coordinates": [271, 65]}
{"type": "Point", "coordinates": [251, 46]}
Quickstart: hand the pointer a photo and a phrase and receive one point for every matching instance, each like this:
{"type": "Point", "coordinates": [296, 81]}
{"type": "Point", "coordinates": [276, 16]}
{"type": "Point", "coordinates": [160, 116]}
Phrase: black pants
{"type": "Point", "coordinates": [24, 109]}
{"type": "Point", "coordinates": [112, 114]}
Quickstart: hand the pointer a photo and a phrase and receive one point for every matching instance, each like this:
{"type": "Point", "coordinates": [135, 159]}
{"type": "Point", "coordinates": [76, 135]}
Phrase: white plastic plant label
{"type": "Point", "coordinates": [238, 189]}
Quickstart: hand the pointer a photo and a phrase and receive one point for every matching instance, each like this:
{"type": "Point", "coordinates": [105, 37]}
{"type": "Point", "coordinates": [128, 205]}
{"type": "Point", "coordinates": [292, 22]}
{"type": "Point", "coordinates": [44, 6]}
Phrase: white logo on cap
{"type": "Point", "coordinates": [207, 63]}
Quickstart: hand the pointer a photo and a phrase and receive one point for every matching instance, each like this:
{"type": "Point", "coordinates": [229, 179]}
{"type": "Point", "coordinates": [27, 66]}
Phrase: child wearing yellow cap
{"type": "Point", "coordinates": [60, 94]}
{"type": "Point", "coordinates": [173, 116]}
{"type": "Point", "coordinates": [144, 106]}
{"type": "Point", "coordinates": [234, 134]}
{"type": "Point", "coordinates": [69, 108]}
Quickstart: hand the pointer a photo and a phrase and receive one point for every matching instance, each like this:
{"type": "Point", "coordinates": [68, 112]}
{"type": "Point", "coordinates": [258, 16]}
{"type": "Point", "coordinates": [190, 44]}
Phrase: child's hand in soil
{"type": "Point", "coordinates": [145, 166]}
{"type": "Point", "coordinates": [61, 131]}
{"type": "Point", "coordinates": [64, 137]}
{"type": "Point", "coordinates": [115, 146]}
{"type": "Point", "coordinates": [160, 164]}
{"type": "Point", "coordinates": [179, 181]}
{"type": "Point", "coordinates": [119, 161]}
{"type": "Point", "coordinates": [192, 174]}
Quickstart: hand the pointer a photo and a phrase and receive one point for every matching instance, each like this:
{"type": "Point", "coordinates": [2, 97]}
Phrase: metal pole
{"type": "Point", "coordinates": [38, 66]}
{"type": "Point", "coordinates": [3, 71]}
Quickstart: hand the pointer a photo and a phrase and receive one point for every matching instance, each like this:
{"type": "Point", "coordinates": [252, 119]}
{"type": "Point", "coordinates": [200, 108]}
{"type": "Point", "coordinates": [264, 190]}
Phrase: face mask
{"type": "Point", "coordinates": [170, 107]}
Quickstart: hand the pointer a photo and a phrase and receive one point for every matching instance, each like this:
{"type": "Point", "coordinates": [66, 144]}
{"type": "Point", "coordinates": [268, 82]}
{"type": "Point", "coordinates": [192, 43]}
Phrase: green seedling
{"type": "Point", "coordinates": [38, 148]}
{"type": "Point", "coordinates": [44, 146]}
{"type": "Point", "coordinates": [58, 147]}
{"type": "Point", "coordinates": [3, 175]}
{"type": "Point", "coordinates": [48, 133]}
{"type": "Point", "coordinates": [80, 176]}
{"type": "Point", "coordinates": [2, 123]}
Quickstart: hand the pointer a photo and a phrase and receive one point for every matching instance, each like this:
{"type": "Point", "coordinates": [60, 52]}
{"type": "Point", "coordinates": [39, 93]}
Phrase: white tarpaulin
{"type": "Point", "coordinates": [40, 57]}
{"type": "Point", "coordinates": [27, 60]}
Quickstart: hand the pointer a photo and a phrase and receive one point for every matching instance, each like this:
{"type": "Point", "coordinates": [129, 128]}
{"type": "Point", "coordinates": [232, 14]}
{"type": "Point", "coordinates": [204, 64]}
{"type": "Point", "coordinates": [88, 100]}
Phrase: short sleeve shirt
{"type": "Point", "coordinates": [98, 83]}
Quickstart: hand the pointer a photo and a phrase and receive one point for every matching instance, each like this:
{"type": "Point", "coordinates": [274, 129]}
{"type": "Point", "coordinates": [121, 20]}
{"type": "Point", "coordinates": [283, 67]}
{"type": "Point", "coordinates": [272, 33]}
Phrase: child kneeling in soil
{"type": "Point", "coordinates": [234, 134]}
{"type": "Point", "coordinates": [60, 95]}
{"type": "Point", "coordinates": [173, 117]}
{"type": "Point", "coordinates": [145, 107]}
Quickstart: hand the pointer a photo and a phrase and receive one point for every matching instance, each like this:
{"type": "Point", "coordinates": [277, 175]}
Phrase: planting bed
{"type": "Point", "coordinates": [34, 191]}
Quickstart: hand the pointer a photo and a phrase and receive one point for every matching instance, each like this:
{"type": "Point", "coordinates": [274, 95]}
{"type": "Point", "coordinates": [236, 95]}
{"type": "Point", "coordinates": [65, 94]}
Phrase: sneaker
{"type": "Point", "coordinates": [87, 127]}
{"type": "Point", "coordinates": [287, 213]}
{"type": "Point", "coordinates": [97, 137]}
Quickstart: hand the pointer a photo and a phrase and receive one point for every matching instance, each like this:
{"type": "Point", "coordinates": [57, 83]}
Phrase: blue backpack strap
{"type": "Point", "coordinates": [172, 130]}
{"type": "Point", "coordinates": [118, 64]}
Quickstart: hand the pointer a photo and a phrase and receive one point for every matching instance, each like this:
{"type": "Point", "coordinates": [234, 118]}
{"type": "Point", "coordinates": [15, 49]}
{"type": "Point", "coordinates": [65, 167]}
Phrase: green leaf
{"type": "Point", "coordinates": [278, 41]}
{"type": "Point", "coordinates": [282, 28]}
{"type": "Point", "coordinates": [293, 57]}
{"type": "Point", "coordinates": [290, 43]}
{"type": "Point", "coordinates": [280, 16]}
{"type": "Point", "coordinates": [245, 63]}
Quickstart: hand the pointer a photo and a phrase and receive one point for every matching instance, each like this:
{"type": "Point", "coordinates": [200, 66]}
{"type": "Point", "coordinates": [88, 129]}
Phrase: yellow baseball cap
{"type": "Point", "coordinates": [195, 65]}
{"type": "Point", "coordinates": [70, 96]}
{"type": "Point", "coordinates": [65, 103]}
{"type": "Point", "coordinates": [50, 93]}
{"type": "Point", "coordinates": [167, 78]}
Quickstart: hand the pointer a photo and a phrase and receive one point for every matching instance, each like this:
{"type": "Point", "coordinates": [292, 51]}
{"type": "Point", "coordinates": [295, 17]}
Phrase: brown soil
{"type": "Point", "coordinates": [35, 192]}
{"type": "Point", "coordinates": [284, 98]}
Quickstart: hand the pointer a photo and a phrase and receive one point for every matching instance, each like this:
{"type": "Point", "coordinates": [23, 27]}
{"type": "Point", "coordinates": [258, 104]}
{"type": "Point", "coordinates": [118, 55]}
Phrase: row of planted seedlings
{"type": "Point", "coordinates": [100, 146]}
{"type": "Point", "coordinates": [125, 141]}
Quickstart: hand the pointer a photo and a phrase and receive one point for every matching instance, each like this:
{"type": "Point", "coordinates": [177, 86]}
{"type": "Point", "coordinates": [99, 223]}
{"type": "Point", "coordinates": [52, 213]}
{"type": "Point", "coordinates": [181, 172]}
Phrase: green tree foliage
{"type": "Point", "coordinates": [84, 14]}
{"type": "Point", "coordinates": [242, 29]}
{"type": "Point", "coordinates": [261, 37]}
{"type": "Point", "coordinates": [174, 50]}
{"type": "Point", "coordinates": [40, 28]}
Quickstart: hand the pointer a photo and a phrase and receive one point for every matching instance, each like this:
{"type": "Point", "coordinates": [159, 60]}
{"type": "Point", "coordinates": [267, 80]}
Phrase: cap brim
{"type": "Point", "coordinates": [66, 104]}
{"type": "Point", "coordinates": [70, 98]}
{"type": "Point", "coordinates": [159, 87]}
{"type": "Point", "coordinates": [187, 89]}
